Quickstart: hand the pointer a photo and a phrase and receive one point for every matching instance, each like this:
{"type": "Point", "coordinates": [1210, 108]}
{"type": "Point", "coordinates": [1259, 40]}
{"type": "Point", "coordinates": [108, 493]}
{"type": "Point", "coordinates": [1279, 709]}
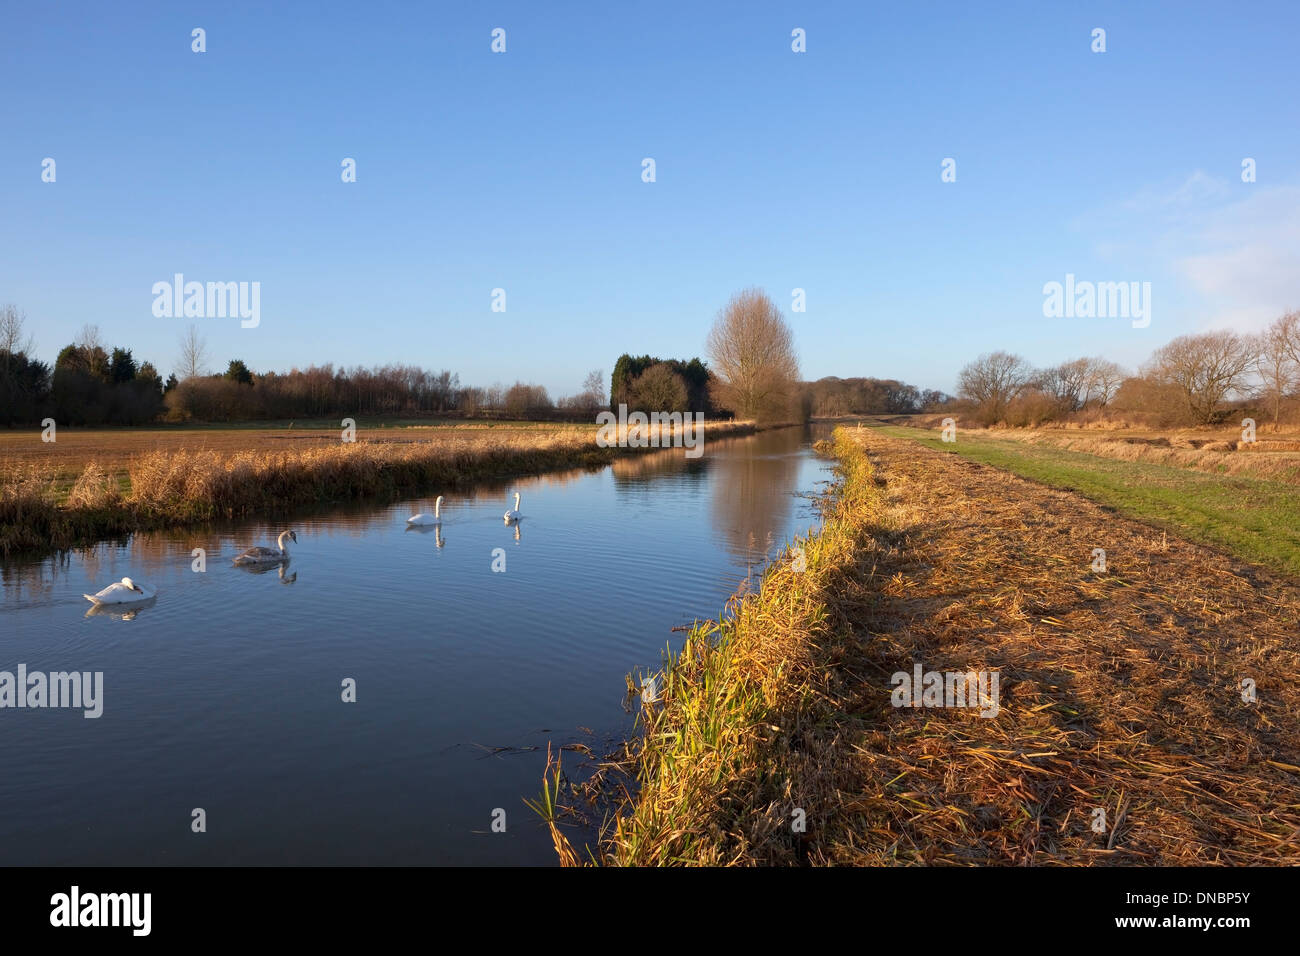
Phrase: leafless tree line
{"type": "Point", "coordinates": [89, 385]}
{"type": "Point", "coordinates": [392, 390]}
{"type": "Point", "coordinates": [833, 397]}
{"type": "Point", "coordinates": [1190, 379]}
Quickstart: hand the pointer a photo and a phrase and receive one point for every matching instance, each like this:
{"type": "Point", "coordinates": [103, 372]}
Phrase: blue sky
{"type": "Point", "coordinates": [522, 171]}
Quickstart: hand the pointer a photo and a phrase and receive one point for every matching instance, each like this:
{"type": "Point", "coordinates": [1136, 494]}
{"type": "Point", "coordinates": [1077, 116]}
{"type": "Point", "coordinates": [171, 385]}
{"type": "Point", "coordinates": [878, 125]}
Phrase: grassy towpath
{"type": "Point", "coordinates": [1147, 714]}
{"type": "Point", "coordinates": [1254, 518]}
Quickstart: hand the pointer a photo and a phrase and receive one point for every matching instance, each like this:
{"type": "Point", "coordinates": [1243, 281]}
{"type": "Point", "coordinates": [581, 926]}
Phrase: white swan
{"type": "Point", "coordinates": [267, 555]}
{"type": "Point", "coordinates": [424, 519]}
{"type": "Point", "coordinates": [125, 591]}
{"type": "Point", "coordinates": [513, 514]}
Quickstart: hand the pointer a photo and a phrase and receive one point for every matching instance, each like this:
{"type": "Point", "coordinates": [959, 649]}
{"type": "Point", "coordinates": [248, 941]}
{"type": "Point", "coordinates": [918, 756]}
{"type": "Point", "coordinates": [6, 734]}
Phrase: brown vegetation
{"type": "Point", "coordinates": [1218, 450]}
{"type": "Point", "coordinates": [186, 484]}
{"type": "Point", "coordinates": [833, 397]}
{"type": "Point", "coordinates": [1220, 454]}
{"type": "Point", "coordinates": [1192, 380]}
{"type": "Point", "coordinates": [1202, 370]}
{"type": "Point", "coordinates": [1121, 691]}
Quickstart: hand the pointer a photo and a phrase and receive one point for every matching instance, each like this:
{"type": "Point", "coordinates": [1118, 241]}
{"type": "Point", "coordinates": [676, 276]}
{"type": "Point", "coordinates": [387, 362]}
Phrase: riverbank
{"type": "Point", "coordinates": [1271, 456]}
{"type": "Point", "coordinates": [734, 742]}
{"type": "Point", "coordinates": [232, 474]}
{"type": "Point", "coordinates": [1143, 712]}
{"type": "Point", "coordinates": [1247, 506]}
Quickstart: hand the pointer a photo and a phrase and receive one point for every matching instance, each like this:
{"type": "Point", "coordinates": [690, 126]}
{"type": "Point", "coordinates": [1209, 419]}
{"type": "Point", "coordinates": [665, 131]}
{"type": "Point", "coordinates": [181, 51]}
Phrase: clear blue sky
{"type": "Point", "coordinates": [523, 171]}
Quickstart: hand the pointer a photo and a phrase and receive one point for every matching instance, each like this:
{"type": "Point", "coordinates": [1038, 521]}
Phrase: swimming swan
{"type": "Point", "coordinates": [125, 591]}
{"type": "Point", "coordinates": [267, 555]}
{"type": "Point", "coordinates": [513, 513]}
{"type": "Point", "coordinates": [423, 519]}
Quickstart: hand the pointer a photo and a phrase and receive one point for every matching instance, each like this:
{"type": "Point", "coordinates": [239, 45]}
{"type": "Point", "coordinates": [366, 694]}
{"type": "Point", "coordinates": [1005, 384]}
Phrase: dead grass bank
{"type": "Point", "coordinates": [1219, 451]}
{"type": "Point", "coordinates": [42, 509]}
{"type": "Point", "coordinates": [1120, 691]}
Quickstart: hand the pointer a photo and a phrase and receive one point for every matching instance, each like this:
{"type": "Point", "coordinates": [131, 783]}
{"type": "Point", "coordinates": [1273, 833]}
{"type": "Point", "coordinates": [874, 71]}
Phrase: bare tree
{"type": "Point", "coordinates": [13, 330]}
{"type": "Point", "coordinates": [1067, 384]}
{"type": "Point", "coordinates": [993, 381]}
{"type": "Point", "coordinates": [1104, 379]}
{"type": "Point", "coordinates": [1277, 361]}
{"type": "Point", "coordinates": [593, 387]}
{"type": "Point", "coordinates": [1287, 329]}
{"type": "Point", "coordinates": [752, 352]}
{"type": "Point", "coordinates": [94, 358]}
{"type": "Point", "coordinates": [1204, 369]}
{"type": "Point", "coordinates": [523, 400]}
{"type": "Point", "coordinates": [89, 338]}
{"type": "Point", "coordinates": [470, 400]}
{"type": "Point", "coordinates": [194, 355]}
{"type": "Point", "coordinates": [13, 334]}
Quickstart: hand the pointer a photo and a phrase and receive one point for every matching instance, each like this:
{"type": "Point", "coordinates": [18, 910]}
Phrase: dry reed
{"type": "Point", "coordinates": [1123, 735]}
{"type": "Point", "coordinates": [189, 486]}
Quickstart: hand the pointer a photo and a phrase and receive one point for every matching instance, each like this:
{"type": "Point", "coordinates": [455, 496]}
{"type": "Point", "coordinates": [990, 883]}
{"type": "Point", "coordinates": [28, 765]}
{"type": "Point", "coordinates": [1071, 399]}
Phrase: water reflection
{"type": "Point", "coordinates": [122, 612]}
{"type": "Point", "coordinates": [278, 566]}
{"type": "Point", "coordinates": [668, 461]}
{"type": "Point", "coordinates": [754, 497]}
{"type": "Point", "coordinates": [433, 529]}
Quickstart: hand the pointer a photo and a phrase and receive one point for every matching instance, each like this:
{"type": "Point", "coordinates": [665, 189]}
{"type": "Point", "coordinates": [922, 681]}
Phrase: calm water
{"type": "Point", "coordinates": [225, 693]}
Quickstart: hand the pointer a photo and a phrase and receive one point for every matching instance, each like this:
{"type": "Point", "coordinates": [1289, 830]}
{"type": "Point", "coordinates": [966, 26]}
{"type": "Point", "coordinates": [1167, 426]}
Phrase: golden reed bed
{"type": "Point", "coordinates": [1266, 458]}
{"type": "Point", "coordinates": [1272, 456]}
{"type": "Point", "coordinates": [41, 507]}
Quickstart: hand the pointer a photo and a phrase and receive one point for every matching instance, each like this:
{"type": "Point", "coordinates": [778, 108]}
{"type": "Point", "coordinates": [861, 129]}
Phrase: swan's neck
{"type": "Point", "coordinates": [437, 508]}
{"type": "Point", "coordinates": [280, 541]}
{"type": "Point", "coordinates": [516, 501]}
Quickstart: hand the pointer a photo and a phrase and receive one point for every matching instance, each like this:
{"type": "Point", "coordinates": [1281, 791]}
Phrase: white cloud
{"type": "Point", "coordinates": [1235, 246]}
{"type": "Point", "coordinates": [1194, 193]}
{"type": "Point", "coordinates": [1248, 268]}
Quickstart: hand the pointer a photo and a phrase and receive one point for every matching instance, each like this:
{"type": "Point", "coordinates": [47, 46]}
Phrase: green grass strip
{"type": "Point", "coordinates": [1255, 519]}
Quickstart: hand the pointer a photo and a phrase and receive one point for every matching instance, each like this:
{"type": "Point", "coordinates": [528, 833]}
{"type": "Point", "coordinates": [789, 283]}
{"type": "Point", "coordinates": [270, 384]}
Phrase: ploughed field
{"type": "Point", "coordinates": [113, 448]}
